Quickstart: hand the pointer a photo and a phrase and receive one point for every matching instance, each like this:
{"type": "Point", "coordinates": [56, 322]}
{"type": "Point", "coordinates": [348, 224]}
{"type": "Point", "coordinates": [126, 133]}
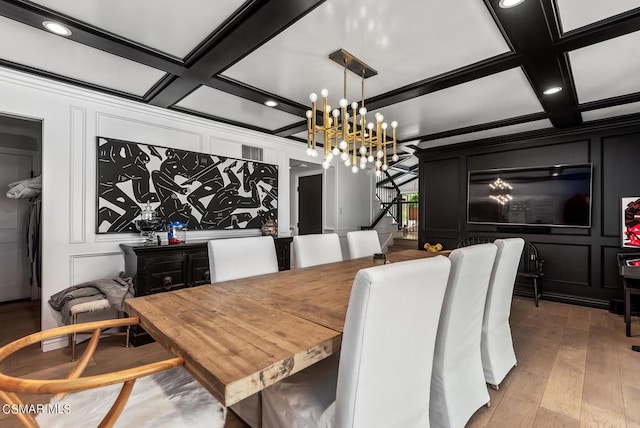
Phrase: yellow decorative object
{"type": "Point", "coordinates": [433, 248]}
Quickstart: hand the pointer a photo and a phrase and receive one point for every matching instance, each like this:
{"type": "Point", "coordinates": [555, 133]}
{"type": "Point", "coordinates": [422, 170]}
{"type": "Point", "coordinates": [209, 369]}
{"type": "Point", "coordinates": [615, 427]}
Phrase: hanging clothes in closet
{"type": "Point", "coordinates": [31, 189]}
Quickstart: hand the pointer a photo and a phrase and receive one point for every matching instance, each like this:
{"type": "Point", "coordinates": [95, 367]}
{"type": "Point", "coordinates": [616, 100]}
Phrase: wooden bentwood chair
{"type": "Point", "coordinates": [213, 414]}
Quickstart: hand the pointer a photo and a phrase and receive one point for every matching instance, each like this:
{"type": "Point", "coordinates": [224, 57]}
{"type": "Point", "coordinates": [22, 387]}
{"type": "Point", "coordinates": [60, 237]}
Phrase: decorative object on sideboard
{"type": "Point", "coordinates": [176, 233]}
{"type": "Point", "coordinates": [148, 224]}
{"type": "Point", "coordinates": [631, 222]}
{"type": "Point", "coordinates": [202, 191]}
{"type": "Point", "coordinates": [379, 259]}
{"type": "Point", "coordinates": [349, 140]}
{"type": "Point", "coordinates": [270, 227]}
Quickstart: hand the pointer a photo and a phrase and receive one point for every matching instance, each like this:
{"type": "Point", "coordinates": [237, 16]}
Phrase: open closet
{"type": "Point", "coordinates": [20, 207]}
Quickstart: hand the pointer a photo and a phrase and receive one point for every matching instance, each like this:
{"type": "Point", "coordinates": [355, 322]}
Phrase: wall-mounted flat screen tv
{"type": "Point", "coordinates": [558, 196]}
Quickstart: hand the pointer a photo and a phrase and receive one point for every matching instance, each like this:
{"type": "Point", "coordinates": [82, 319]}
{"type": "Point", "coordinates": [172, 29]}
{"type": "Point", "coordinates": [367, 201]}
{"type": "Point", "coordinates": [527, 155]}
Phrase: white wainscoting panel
{"type": "Point", "coordinates": [141, 131]}
{"type": "Point", "coordinates": [87, 267]}
{"type": "Point", "coordinates": [77, 182]}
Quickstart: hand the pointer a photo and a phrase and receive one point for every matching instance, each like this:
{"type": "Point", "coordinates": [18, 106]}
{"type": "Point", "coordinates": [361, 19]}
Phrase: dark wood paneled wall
{"type": "Point", "coordinates": [580, 264]}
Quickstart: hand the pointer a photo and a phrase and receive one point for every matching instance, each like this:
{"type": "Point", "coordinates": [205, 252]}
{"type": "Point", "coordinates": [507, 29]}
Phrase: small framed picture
{"type": "Point", "coordinates": [631, 222]}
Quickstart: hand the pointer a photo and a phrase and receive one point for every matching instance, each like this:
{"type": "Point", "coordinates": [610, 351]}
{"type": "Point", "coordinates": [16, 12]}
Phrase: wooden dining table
{"type": "Point", "coordinates": [239, 337]}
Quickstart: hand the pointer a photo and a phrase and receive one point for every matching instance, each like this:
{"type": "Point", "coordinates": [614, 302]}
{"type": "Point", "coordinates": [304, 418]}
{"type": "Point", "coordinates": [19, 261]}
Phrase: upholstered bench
{"type": "Point", "coordinates": [89, 308]}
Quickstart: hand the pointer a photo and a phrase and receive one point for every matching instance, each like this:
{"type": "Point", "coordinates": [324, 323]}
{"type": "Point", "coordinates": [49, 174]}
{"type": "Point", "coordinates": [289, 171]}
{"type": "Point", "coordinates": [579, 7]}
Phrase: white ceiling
{"type": "Point", "coordinates": [578, 13]}
{"type": "Point", "coordinates": [607, 69]}
{"type": "Point", "coordinates": [405, 41]}
{"type": "Point", "coordinates": [158, 24]}
{"type": "Point", "coordinates": [58, 55]}
{"type": "Point", "coordinates": [499, 96]}
{"type": "Point", "coordinates": [604, 113]}
{"type": "Point", "coordinates": [479, 135]}
{"type": "Point", "coordinates": [226, 106]}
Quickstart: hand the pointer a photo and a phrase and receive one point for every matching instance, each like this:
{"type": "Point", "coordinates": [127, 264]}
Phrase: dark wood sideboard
{"type": "Point", "coordinates": [160, 268]}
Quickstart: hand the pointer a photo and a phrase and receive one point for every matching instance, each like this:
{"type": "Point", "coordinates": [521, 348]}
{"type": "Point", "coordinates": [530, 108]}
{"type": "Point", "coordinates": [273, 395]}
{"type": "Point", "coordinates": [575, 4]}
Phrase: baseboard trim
{"type": "Point", "coordinates": [566, 298]}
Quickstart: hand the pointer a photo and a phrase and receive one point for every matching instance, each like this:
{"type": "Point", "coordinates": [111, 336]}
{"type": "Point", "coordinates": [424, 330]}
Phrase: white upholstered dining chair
{"type": "Point", "coordinates": [386, 358]}
{"type": "Point", "coordinates": [318, 249]}
{"type": "Point", "coordinates": [458, 387]}
{"type": "Point", "coordinates": [363, 243]}
{"type": "Point", "coordinates": [498, 356]}
{"type": "Point", "coordinates": [235, 258]}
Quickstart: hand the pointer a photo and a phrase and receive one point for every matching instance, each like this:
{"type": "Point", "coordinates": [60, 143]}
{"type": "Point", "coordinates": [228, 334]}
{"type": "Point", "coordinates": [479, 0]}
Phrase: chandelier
{"type": "Point", "coordinates": [345, 134]}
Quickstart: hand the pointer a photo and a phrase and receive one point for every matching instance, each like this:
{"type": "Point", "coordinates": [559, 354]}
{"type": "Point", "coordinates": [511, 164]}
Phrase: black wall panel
{"type": "Point", "coordinates": [440, 183]}
{"type": "Point", "coordinates": [580, 264]}
{"type": "Point", "coordinates": [564, 264]}
{"type": "Point", "coordinates": [620, 177]}
{"type": "Point", "coordinates": [571, 152]}
{"type": "Point", "coordinates": [610, 277]}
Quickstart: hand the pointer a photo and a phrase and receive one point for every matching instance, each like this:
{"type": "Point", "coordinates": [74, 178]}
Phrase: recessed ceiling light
{"type": "Point", "coordinates": [56, 28]}
{"type": "Point", "coordinates": [270, 103]}
{"type": "Point", "coordinates": [505, 4]}
{"type": "Point", "coordinates": [553, 90]}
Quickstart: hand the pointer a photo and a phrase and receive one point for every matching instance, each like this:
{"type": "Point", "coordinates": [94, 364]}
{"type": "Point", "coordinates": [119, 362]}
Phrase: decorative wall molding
{"type": "Point", "coordinates": [74, 259]}
{"type": "Point", "coordinates": [70, 91]}
{"type": "Point", "coordinates": [77, 175]}
{"type": "Point", "coordinates": [194, 235]}
{"type": "Point", "coordinates": [101, 116]}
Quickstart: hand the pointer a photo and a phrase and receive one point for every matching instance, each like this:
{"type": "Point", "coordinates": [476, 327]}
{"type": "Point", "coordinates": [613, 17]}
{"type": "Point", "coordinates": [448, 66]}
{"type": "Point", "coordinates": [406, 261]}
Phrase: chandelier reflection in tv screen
{"type": "Point", "coordinates": [500, 191]}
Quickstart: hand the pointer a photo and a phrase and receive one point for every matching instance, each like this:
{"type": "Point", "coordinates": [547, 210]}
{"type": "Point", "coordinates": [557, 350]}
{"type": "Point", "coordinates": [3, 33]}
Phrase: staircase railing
{"type": "Point", "coordinates": [390, 200]}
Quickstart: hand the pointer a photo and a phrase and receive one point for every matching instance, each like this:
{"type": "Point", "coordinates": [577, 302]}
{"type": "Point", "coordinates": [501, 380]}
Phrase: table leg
{"type": "Point", "coordinates": [627, 310]}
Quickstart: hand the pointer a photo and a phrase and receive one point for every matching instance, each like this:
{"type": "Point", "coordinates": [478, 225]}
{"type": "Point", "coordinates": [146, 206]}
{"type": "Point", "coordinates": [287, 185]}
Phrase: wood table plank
{"type": "Point", "coordinates": [319, 293]}
{"type": "Point", "coordinates": [233, 346]}
{"type": "Point", "coordinates": [239, 337]}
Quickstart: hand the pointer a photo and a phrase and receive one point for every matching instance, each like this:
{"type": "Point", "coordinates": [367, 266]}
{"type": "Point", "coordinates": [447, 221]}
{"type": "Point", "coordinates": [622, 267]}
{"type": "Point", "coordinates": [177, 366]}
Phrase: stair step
{"type": "Point", "coordinates": [403, 244]}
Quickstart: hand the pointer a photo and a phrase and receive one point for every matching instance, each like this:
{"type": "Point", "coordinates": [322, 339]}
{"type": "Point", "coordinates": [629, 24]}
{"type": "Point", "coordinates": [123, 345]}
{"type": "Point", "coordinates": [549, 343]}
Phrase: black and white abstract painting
{"type": "Point", "coordinates": [206, 192]}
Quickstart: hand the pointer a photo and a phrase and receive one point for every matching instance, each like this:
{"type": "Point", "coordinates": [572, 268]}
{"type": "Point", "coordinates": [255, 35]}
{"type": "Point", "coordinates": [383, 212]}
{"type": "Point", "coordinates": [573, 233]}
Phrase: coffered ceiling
{"type": "Point", "coordinates": [448, 71]}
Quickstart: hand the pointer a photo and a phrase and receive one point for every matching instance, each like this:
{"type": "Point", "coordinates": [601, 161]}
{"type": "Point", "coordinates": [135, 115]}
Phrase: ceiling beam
{"type": "Point", "coordinates": [33, 15]}
{"type": "Point", "coordinates": [248, 32]}
{"type": "Point", "coordinates": [480, 127]}
{"type": "Point", "coordinates": [183, 76]}
{"type": "Point", "coordinates": [610, 102]}
{"type": "Point", "coordinates": [616, 26]}
{"type": "Point", "coordinates": [69, 80]}
{"type": "Point", "coordinates": [458, 76]}
{"type": "Point", "coordinates": [221, 119]}
{"type": "Point", "coordinates": [532, 29]}
{"type": "Point", "coordinates": [250, 93]}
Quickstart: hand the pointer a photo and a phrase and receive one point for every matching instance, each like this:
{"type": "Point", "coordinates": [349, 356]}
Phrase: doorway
{"type": "Point", "coordinates": [306, 207]}
{"type": "Point", "coordinates": [310, 204]}
{"type": "Point", "coordinates": [20, 164]}
{"type": "Point", "coordinates": [14, 262]}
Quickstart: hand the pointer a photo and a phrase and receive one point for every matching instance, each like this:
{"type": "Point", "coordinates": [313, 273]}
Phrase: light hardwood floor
{"type": "Point", "coordinates": [575, 367]}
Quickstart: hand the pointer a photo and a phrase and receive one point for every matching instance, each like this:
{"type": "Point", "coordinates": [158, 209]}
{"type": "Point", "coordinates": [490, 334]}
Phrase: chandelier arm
{"type": "Point", "coordinates": [384, 133]}
{"type": "Point", "coordinates": [313, 126]}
